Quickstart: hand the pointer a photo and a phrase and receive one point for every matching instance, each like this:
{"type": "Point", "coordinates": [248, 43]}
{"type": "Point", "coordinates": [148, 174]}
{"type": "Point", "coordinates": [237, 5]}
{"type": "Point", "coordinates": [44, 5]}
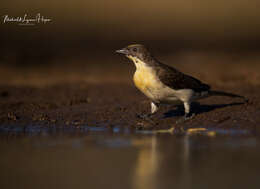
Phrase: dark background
{"type": "Point", "coordinates": [84, 28]}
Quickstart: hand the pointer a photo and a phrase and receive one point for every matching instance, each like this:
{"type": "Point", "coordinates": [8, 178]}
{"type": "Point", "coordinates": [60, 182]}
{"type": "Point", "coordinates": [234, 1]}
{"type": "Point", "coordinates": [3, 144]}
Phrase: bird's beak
{"type": "Point", "coordinates": [122, 51]}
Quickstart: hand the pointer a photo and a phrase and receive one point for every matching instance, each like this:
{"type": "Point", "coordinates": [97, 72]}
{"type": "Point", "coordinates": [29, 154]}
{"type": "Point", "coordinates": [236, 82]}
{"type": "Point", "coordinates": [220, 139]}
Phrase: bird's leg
{"type": "Point", "coordinates": [188, 115]}
{"type": "Point", "coordinates": [154, 109]}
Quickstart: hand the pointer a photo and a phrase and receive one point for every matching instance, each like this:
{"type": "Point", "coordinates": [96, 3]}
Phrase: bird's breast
{"type": "Point", "coordinates": [146, 81]}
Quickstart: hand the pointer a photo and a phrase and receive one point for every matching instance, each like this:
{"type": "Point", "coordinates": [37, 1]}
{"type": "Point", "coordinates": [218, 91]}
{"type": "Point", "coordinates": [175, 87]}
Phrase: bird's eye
{"type": "Point", "coordinates": [134, 49]}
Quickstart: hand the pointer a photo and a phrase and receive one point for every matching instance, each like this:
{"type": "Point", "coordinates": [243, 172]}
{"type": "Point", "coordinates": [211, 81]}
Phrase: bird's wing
{"type": "Point", "coordinates": [177, 80]}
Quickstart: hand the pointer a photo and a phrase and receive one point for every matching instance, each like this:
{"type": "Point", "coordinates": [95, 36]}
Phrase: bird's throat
{"type": "Point", "coordinates": [144, 77]}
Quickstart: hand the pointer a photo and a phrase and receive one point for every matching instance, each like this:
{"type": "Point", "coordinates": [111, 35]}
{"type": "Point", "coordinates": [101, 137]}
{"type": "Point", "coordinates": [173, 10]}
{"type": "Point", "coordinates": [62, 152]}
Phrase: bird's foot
{"type": "Point", "coordinates": [144, 116]}
{"type": "Point", "coordinates": [186, 117]}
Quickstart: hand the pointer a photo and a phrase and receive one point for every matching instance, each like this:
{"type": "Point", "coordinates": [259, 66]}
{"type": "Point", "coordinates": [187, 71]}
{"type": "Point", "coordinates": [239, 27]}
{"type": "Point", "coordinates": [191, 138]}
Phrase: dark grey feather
{"type": "Point", "coordinates": [177, 80]}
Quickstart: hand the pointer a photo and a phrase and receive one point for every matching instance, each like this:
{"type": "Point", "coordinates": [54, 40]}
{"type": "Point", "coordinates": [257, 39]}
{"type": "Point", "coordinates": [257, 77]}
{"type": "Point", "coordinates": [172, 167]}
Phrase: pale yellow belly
{"type": "Point", "coordinates": [147, 82]}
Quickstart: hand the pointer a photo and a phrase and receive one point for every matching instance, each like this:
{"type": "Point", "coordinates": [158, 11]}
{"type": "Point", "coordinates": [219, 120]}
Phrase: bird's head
{"type": "Point", "coordinates": [137, 53]}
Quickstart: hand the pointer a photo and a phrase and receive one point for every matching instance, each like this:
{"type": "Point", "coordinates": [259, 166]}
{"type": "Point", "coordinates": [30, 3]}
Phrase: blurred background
{"type": "Point", "coordinates": [83, 35]}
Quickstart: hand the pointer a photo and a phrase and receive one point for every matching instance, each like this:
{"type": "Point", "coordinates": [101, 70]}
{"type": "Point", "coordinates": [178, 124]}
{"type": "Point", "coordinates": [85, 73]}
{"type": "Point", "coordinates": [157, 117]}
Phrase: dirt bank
{"type": "Point", "coordinates": [79, 95]}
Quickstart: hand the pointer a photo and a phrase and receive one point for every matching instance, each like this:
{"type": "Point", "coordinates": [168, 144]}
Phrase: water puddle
{"type": "Point", "coordinates": [119, 157]}
{"type": "Point", "coordinates": [35, 130]}
{"type": "Point", "coordinates": [119, 160]}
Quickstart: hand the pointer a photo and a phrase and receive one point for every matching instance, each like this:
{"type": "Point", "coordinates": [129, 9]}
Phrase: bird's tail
{"type": "Point", "coordinates": [221, 93]}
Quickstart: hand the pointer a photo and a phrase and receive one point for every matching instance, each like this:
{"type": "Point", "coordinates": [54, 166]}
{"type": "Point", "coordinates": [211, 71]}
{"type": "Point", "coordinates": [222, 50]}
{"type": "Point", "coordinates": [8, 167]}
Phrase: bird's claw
{"type": "Point", "coordinates": [189, 116]}
{"type": "Point", "coordinates": [146, 117]}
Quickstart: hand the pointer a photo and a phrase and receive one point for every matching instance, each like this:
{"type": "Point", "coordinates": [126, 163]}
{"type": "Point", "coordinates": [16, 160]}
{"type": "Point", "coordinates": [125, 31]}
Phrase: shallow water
{"type": "Point", "coordinates": [117, 159]}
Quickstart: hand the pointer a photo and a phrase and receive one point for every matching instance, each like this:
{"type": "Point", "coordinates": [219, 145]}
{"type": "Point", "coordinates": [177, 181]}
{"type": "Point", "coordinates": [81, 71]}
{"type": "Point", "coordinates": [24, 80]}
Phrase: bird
{"type": "Point", "coordinates": [164, 84]}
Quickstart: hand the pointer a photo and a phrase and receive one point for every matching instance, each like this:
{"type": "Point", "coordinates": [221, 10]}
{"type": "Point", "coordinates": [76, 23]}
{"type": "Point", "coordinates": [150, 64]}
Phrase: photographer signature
{"type": "Point", "coordinates": [26, 20]}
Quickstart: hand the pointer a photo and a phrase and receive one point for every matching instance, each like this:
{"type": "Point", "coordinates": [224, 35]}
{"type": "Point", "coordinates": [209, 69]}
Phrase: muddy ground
{"type": "Point", "coordinates": [80, 92]}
